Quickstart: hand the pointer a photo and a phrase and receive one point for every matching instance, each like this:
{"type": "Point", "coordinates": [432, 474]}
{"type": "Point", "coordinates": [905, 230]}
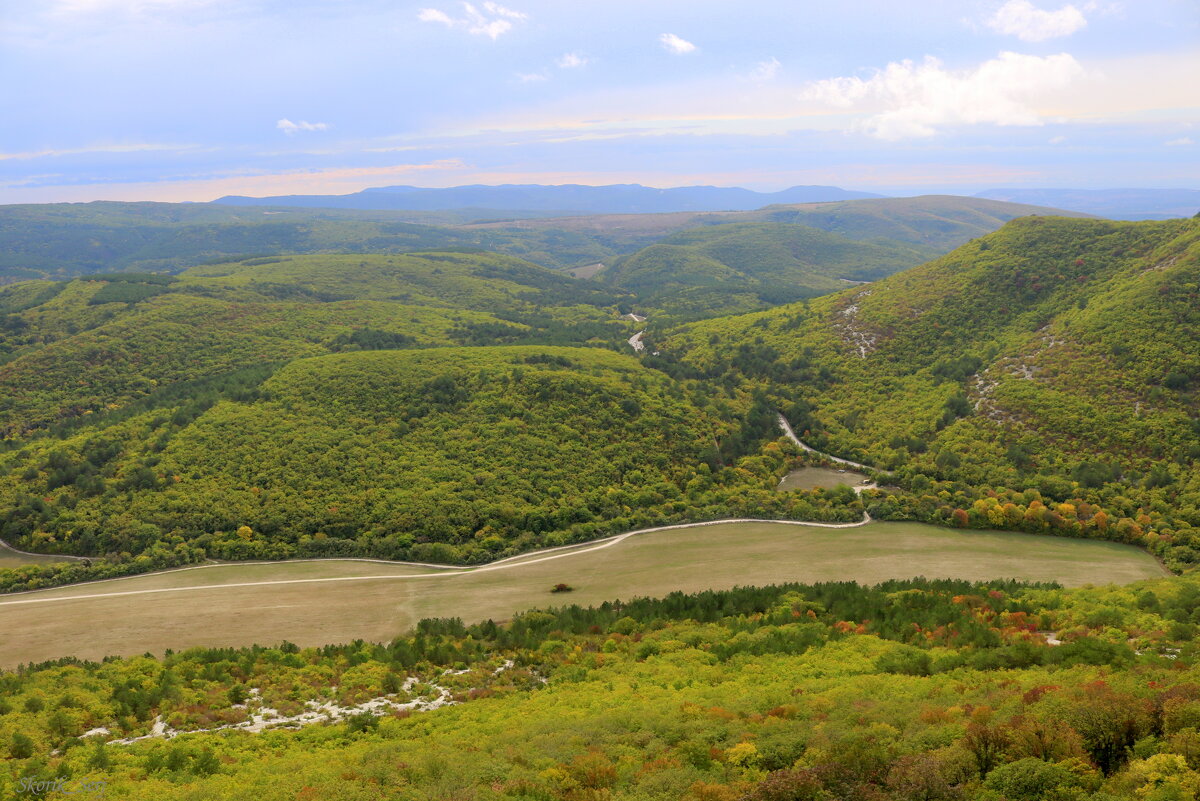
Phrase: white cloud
{"type": "Point", "coordinates": [1029, 23]}
{"type": "Point", "coordinates": [433, 15]}
{"type": "Point", "coordinates": [532, 77]}
{"type": "Point", "coordinates": [766, 70]}
{"type": "Point", "coordinates": [906, 100]}
{"type": "Point", "coordinates": [501, 11]}
{"type": "Point", "coordinates": [289, 127]}
{"type": "Point", "coordinates": [570, 61]}
{"type": "Point", "coordinates": [493, 21]}
{"type": "Point", "coordinates": [1057, 140]}
{"type": "Point", "coordinates": [676, 45]}
{"type": "Point", "coordinates": [1182, 141]}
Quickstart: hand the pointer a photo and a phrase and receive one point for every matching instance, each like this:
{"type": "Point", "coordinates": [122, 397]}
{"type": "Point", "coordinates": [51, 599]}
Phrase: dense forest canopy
{"type": "Point", "coordinates": [743, 266]}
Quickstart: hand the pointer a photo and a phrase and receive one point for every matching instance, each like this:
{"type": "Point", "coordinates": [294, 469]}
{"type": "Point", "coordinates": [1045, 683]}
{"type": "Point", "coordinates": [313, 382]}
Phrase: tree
{"type": "Point", "coordinates": [923, 777]}
{"type": "Point", "coordinates": [788, 785]}
{"type": "Point", "coordinates": [984, 741]}
{"type": "Point", "coordinates": [99, 759]}
{"type": "Point", "coordinates": [20, 746]}
{"type": "Point", "coordinates": [1030, 779]}
{"type": "Point", "coordinates": [1109, 722]}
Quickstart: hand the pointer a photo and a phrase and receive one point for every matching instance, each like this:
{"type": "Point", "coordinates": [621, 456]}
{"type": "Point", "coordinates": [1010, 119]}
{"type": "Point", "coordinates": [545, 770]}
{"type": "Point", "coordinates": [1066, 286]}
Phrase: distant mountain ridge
{"type": "Point", "coordinates": [1115, 204]}
{"type": "Point", "coordinates": [567, 198]}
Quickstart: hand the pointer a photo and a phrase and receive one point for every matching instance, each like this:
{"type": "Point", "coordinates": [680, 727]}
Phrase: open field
{"type": "Point", "coordinates": [805, 478]}
{"type": "Point", "coordinates": [313, 603]}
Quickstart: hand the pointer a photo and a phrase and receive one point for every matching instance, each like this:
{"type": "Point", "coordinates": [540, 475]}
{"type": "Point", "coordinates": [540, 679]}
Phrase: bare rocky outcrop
{"type": "Point", "coordinates": [852, 330]}
{"type": "Point", "coordinates": [261, 717]}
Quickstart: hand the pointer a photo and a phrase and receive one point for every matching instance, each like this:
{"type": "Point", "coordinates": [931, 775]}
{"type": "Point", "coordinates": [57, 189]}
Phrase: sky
{"type": "Point", "coordinates": [177, 100]}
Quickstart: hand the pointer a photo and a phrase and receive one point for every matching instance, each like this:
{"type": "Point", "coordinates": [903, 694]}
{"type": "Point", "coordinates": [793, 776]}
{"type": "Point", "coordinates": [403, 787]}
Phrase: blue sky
{"type": "Point", "coordinates": [193, 99]}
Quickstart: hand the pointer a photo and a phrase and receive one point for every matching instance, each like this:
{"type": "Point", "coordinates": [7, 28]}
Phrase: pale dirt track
{"type": "Point", "coordinates": [787, 429]}
{"type": "Point", "coordinates": [54, 594]}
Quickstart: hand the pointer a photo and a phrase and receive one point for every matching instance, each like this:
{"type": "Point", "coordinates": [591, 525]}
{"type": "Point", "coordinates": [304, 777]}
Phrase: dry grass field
{"type": "Point", "coordinates": [313, 603]}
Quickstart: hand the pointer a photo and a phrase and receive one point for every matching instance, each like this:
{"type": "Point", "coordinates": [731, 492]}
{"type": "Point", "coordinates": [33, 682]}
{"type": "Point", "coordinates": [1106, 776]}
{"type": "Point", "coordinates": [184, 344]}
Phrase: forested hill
{"type": "Point", "coordinates": [408, 406]}
{"type": "Point", "coordinates": [1056, 357]}
{"type": "Point", "coordinates": [467, 406]}
{"type": "Point", "coordinates": [76, 349]}
{"type": "Point", "coordinates": [432, 454]}
{"type": "Point", "coordinates": [743, 266]}
{"type": "Point", "coordinates": [940, 221]}
{"type": "Point", "coordinates": [64, 240]}
{"type": "Point", "coordinates": [1054, 353]}
{"type": "Point", "coordinates": [1084, 331]}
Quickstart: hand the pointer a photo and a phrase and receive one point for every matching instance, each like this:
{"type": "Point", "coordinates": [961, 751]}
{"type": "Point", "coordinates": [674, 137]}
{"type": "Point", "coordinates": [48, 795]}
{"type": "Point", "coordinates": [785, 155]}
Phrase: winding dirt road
{"type": "Point", "coordinates": [4, 546]}
{"type": "Point", "coordinates": [787, 429]}
{"type": "Point", "coordinates": [534, 557]}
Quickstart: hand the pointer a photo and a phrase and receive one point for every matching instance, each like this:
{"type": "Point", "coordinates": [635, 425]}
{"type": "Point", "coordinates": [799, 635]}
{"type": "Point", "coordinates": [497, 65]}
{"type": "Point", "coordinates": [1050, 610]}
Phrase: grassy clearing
{"type": "Point", "coordinates": [383, 604]}
{"type": "Point", "coordinates": [806, 478]}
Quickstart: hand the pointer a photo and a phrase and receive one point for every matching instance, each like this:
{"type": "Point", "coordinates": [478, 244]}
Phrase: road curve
{"type": "Point", "coordinates": [787, 429]}
{"type": "Point", "coordinates": [4, 546]}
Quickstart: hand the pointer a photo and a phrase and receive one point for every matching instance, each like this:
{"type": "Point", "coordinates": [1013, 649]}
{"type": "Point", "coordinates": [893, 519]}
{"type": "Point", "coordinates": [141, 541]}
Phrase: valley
{"type": "Point", "coordinates": [520, 400]}
{"type": "Point", "coordinates": [352, 504]}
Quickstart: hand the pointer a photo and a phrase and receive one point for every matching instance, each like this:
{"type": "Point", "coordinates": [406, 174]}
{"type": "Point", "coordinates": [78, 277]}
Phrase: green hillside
{"type": "Point", "coordinates": [941, 222]}
{"type": "Point", "coordinates": [464, 407]}
{"type": "Point", "coordinates": [88, 346]}
{"type": "Point", "coordinates": [743, 266]}
{"type": "Point", "coordinates": [469, 280]}
{"type": "Point", "coordinates": [1054, 354]}
{"type": "Point", "coordinates": [1049, 367]}
{"type": "Point", "coordinates": [149, 419]}
{"type": "Point", "coordinates": [445, 454]}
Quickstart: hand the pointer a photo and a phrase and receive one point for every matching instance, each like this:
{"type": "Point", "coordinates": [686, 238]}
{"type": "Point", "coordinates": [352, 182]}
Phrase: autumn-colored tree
{"type": "Point", "coordinates": [1109, 722]}
{"type": "Point", "coordinates": [788, 785]}
{"type": "Point", "coordinates": [985, 742]}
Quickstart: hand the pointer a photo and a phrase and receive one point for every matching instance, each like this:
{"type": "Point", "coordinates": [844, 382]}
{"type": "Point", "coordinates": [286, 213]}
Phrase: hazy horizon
{"type": "Point", "coordinates": [195, 99]}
